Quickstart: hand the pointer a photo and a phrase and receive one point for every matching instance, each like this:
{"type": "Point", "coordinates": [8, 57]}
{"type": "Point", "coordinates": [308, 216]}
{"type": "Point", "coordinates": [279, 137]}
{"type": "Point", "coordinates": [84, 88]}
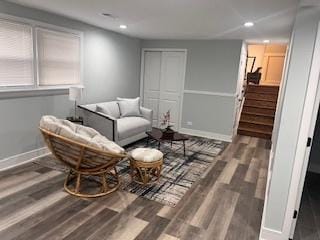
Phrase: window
{"type": "Point", "coordinates": [33, 56]}
{"type": "Point", "coordinates": [16, 55]}
{"type": "Point", "coordinates": [58, 58]}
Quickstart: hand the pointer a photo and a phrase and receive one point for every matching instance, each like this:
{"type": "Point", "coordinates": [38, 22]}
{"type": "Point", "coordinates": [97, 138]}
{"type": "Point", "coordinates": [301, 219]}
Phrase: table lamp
{"type": "Point", "coordinates": [75, 94]}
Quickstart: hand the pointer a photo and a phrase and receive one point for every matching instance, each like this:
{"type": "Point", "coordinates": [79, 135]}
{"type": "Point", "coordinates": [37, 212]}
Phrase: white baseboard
{"type": "Point", "coordinates": [222, 137]}
{"type": "Point", "coordinates": [22, 158]}
{"type": "Point", "coordinates": [270, 234]}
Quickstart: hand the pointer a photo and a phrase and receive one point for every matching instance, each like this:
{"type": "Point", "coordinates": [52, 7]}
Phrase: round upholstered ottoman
{"type": "Point", "coordinates": [146, 165]}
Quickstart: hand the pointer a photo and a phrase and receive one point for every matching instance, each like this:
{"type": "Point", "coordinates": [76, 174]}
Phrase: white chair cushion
{"type": "Point", "coordinates": [79, 133]}
{"type": "Point", "coordinates": [109, 108]}
{"type": "Point", "coordinates": [146, 154]}
{"type": "Point", "coordinates": [104, 143]}
{"type": "Point", "coordinates": [130, 126]}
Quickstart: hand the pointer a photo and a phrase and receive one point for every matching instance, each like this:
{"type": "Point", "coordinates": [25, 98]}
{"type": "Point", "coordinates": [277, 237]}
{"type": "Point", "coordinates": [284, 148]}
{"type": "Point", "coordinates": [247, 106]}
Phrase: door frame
{"type": "Point", "coordinates": [308, 122]}
{"type": "Point", "coordinates": [311, 102]}
{"type": "Point", "coordinates": [185, 51]}
{"type": "Point", "coordinates": [239, 95]}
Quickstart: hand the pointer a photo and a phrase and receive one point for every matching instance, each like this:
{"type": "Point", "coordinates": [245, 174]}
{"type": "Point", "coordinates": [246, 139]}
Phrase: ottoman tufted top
{"type": "Point", "coordinates": [146, 154]}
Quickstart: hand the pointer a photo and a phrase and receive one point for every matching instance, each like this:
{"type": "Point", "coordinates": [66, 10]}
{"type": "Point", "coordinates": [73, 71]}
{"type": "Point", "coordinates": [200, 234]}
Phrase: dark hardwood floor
{"type": "Point", "coordinates": [308, 223]}
{"type": "Point", "coordinates": [226, 203]}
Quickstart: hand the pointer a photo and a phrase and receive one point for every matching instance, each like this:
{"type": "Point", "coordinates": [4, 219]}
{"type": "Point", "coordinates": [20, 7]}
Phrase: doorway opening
{"type": "Point", "coordinates": [308, 219]}
{"type": "Point", "coordinates": [264, 71]}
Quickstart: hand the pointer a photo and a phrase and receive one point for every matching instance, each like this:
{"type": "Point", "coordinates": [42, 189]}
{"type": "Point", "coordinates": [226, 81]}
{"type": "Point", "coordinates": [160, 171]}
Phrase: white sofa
{"type": "Point", "coordinates": [105, 118]}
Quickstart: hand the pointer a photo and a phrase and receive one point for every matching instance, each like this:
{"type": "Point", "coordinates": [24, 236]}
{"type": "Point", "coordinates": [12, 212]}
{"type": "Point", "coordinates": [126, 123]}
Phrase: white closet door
{"type": "Point", "coordinates": [171, 83]}
{"type": "Point", "coordinates": [162, 84]}
{"type": "Point", "coordinates": [151, 92]}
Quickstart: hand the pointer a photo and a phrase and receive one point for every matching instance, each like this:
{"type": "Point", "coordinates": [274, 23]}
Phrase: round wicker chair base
{"type": "Point", "coordinates": [145, 173]}
{"type": "Point", "coordinates": [75, 188]}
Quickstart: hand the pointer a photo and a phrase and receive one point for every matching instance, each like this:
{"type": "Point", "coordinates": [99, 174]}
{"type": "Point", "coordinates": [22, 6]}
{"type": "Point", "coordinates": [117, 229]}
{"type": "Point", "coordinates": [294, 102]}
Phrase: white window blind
{"type": "Point", "coordinates": [58, 58]}
{"type": "Point", "coordinates": [16, 54]}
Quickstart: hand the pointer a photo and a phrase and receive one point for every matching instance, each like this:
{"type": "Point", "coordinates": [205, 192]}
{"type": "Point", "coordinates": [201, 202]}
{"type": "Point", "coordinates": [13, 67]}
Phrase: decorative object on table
{"type": "Point", "coordinates": [168, 135]}
{"type": "Point", "coordinates": [85, 153]}
{"type": "Point", "coordinates": [178, 173]}
{"type": "Point", "coordinates": [75, 94]}
{"type": "Point", "coordinates": [146, 165]}
{"type": "Point", "coordinates": [165, 120]}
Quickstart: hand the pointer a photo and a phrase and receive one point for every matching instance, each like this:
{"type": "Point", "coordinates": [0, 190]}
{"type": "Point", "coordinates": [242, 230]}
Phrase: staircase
{"type": "Point", "coordinates": [258, 111]}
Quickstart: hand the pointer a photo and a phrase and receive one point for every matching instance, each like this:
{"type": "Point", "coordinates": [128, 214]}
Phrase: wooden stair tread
{"type": "Point", "coordinates": [259, 114]}
{"type": "Point", "coordinates": [262, 100]}
{"type": "Point", "coordinates": [254, 130]}
{"type": "Point", "coordinates": [257, 117]}
{"type": "Point", "coordinates": [256, 122]}
{"type": "Point", "coordinates": [259, 106]}
{"type": "Point", "coordinates": [254, 134]}
{"type": "Point", "coordinates": [262, 89]}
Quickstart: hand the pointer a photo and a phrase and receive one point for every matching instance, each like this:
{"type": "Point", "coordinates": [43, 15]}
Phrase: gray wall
{"type": "Point", "coordinates": [212, 66]}
{"type": "Point", "coordinates": [305, 30]}
{"type": "Point", "coordinates": [111, 69]}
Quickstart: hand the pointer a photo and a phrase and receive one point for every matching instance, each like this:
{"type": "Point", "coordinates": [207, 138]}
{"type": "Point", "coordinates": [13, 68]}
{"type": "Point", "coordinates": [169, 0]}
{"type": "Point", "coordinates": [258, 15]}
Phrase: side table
{"type": "Point", "coordinates": [77, 120]}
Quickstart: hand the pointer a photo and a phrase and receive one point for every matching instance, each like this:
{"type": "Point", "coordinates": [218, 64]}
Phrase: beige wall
{"type": "Point", "coordinates": [258, 52]}
{"type": "Point", "coordinates": [270, 58]}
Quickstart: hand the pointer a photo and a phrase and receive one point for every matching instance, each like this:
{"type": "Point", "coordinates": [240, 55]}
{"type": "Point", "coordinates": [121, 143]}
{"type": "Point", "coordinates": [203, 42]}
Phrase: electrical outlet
{"type": "Point", "coordinates": [189, 123]}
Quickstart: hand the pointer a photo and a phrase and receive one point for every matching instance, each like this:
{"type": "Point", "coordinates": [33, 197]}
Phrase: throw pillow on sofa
{"type": "Point", "coordinates": [109, 108]}
{"type": "Point", "coordinates": [129, 107]}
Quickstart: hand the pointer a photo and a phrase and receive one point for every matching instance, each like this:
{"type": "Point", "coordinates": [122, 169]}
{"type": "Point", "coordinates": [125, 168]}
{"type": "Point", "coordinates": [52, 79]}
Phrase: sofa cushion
{"type": "Point", "coordinates": [109, 108]}
{"type": "Point", "coordinates": [129, 107]}
{"type": "Point", "coordinates": [130, 126]}
{"type": "Point", "coordinates": [79, 133]}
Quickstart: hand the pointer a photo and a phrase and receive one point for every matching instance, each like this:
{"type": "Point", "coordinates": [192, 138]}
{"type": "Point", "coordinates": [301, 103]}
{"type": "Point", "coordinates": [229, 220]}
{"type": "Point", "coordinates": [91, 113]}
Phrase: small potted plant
{"type": "Point", "coordinates": [165, 122]}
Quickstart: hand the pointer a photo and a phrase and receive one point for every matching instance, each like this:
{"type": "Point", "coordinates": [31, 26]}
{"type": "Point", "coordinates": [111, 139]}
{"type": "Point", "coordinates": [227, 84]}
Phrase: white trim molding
{"type": "Point", "coordinates": [270, 234]}
{"type": "Point", "coordinates": [211, 135]}
{"type": "Point", "coordinates": [22, 158]}
{"type": "Point", "coordinates": [220, 94]}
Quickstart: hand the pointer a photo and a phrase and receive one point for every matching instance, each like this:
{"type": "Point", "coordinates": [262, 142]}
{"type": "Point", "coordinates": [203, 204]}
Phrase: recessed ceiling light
{"type": "Point", "coordinates": [107, 14]}
{"type": "Point", "coordinates": [122, 26]}
{"type": "Point", "coordinates": [248, 24]}
{"type": "Point", "coordinates": [266, 41]}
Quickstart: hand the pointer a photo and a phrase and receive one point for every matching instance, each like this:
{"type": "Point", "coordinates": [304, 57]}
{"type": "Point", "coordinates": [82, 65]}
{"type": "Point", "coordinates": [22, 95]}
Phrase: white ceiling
{"type": "Point", "coordinates": [182, 19]}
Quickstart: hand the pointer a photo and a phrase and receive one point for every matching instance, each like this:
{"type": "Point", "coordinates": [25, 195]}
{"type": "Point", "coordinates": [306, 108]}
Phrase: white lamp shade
{"type": "Point", "coordinates": [75, 93]}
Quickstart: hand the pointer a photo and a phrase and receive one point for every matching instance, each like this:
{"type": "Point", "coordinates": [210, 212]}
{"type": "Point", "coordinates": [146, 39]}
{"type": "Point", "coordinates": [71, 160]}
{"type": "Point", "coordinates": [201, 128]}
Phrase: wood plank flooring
{"type": "Point", "coordinates": [226, 203]}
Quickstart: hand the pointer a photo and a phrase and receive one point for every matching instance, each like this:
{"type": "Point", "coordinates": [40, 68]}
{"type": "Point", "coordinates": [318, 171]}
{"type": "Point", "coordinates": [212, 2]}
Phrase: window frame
{"type": "Point", "coordinates": [35, 88]}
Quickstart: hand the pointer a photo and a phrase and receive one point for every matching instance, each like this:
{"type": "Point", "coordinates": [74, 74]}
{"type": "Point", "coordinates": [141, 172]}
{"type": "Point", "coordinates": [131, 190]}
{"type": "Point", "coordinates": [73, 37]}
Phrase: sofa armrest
{"type": "Point", "coordinates": [147, 114]}
{"type": "Point", "coordinates": [104, 124]}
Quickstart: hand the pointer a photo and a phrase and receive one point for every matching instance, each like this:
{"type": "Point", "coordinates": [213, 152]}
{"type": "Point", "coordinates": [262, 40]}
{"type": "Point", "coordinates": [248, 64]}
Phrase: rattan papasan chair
{"type": "Point", "coordinates": [88, 155]}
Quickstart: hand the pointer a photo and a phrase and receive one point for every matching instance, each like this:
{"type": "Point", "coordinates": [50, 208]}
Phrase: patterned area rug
{"type": "Point", "coordinates": [178, 174]}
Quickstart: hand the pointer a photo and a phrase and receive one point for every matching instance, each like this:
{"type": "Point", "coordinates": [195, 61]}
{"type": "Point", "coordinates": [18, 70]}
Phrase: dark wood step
{"type": "Point", "coordinates": [262, 89]}
{"type": "Point", "coordinates": [257, 119]}
{"type": "Point", "coordinates": [262, 97]}
{"type": "Point", "coordinates": [260, 104]}
{"type": "Point", "coordinates": [255, 127]}
{"type": "Point", "coordinates": [254, 134]}
{"type": "Point", "coordinates": [258, 111]}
